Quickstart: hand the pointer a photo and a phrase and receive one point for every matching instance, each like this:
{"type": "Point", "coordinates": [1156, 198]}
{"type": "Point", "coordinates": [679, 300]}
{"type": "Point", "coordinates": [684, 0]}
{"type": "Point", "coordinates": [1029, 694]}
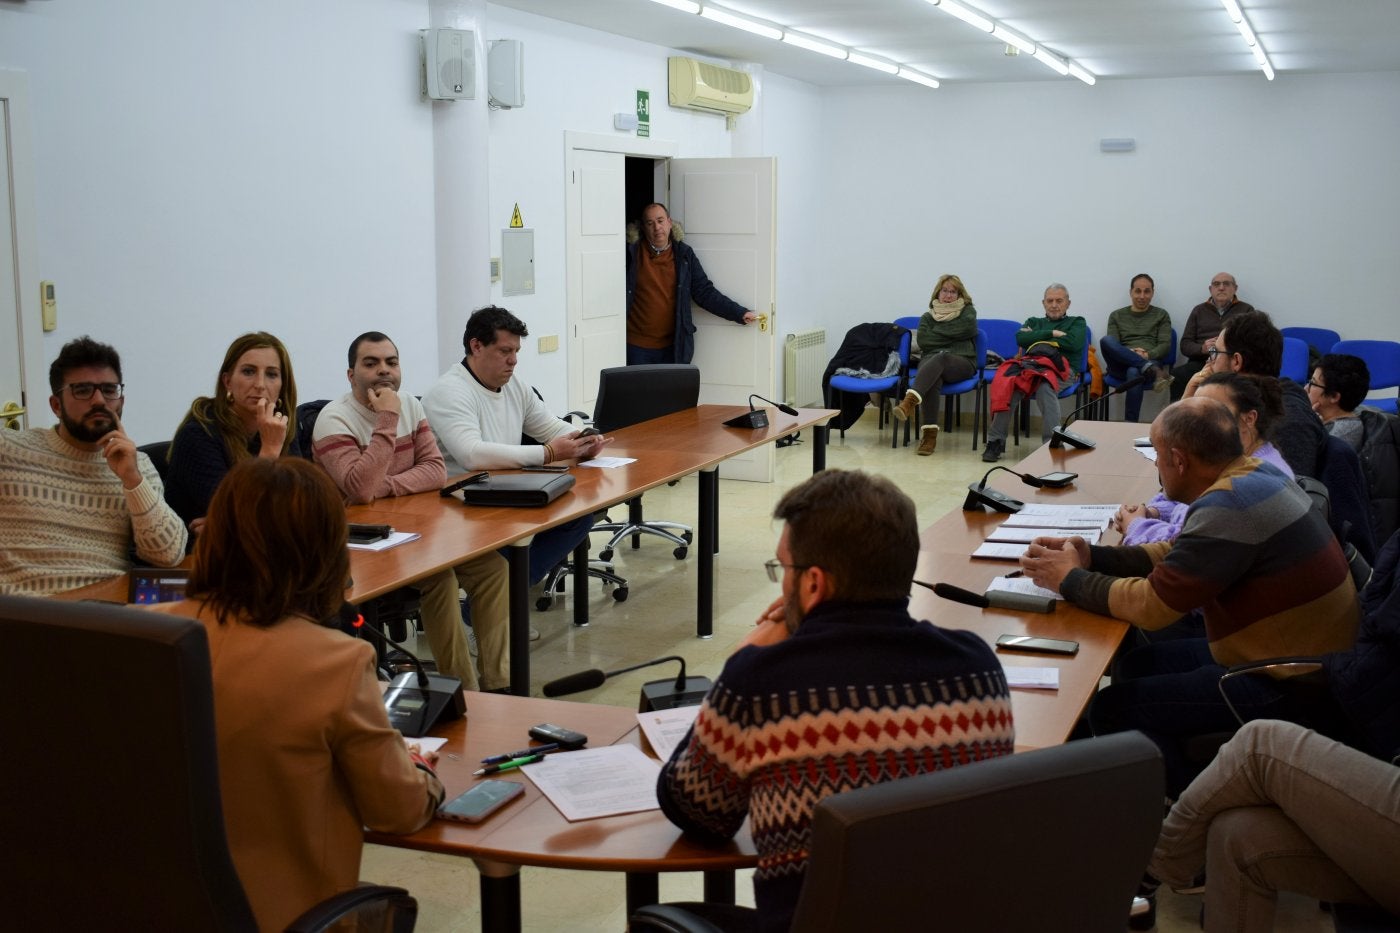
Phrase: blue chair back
{"type": "Point", "coordinates": [910, 322]}
{"type": "Point", "coordinates": [1319, 338]}
{"type": "Point", "coordinates": [1001, 335]}
{"type": "Point", "coordinates": [1295, 360]}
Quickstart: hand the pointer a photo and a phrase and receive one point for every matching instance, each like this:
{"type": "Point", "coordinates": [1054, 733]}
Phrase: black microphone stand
{"type": "Point", "coordinates": [979, 496]}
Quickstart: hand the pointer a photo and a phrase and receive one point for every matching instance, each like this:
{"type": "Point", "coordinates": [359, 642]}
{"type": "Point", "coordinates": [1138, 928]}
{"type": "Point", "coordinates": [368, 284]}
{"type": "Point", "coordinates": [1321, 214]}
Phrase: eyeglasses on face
{"type": "Point", "coordinates": [1222, 284]}
{"type": "Point", "coordinates": [82, 391]}
{"type": "Point", "coordinates": [774, 565]}
{"type": "Point", "coordinates": [1213, 352]}
{"type": "Point", "coordinates": [1315, 385]}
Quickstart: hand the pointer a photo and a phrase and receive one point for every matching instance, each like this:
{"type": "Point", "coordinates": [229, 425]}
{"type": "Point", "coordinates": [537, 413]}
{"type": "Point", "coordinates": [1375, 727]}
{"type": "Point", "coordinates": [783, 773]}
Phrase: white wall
{"type": "Point", "coordinates": [1290, 185]}
{"type": "Point", "coordinates": [208, 169]}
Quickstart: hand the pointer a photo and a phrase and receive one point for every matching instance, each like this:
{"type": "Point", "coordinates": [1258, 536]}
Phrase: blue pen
{"type": "Point", "coordinates": [523, 753]}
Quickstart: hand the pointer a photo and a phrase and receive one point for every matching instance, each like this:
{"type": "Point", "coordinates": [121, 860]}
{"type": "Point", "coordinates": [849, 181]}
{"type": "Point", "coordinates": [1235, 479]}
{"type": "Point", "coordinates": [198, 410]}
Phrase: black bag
{"type": "Point", "coordinates": [523, 490]}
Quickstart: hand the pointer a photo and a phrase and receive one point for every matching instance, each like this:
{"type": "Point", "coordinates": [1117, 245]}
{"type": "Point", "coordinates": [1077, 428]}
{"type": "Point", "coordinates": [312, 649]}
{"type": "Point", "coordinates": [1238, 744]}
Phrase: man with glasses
{"type": "Point", "coordinates": [77, 495]}
{"type": "Point", "coordinates": [836, 687]}
{"type": "Point", "coordinates": [1203, 326]}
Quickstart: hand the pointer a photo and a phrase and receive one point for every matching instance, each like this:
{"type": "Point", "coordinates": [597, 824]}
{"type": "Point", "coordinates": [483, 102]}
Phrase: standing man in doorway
{"type": "Point", "coordinates": [663, 277]}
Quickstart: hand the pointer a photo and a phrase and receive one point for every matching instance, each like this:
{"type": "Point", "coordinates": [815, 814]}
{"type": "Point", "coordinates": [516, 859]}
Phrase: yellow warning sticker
{"type": "Point", "coordinates": [515, 219]}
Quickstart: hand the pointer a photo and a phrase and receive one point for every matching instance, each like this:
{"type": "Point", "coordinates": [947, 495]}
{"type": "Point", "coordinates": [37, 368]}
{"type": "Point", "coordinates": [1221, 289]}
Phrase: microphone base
{"type": "Point", "coordinates": [413, 710]}
{"type": "Point", "coordinates": [980, 497]}
{"type": "Point", "coordinates": [1063, 436]}
{"type": "Point", "coordinates": [758, 418]}
{"type": "Point", "coordinates": [662, 694]}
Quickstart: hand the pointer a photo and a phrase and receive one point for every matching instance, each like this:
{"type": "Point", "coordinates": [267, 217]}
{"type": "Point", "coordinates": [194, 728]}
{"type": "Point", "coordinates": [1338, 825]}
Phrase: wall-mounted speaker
{"type": "Point", "coordinates": [449, 64]}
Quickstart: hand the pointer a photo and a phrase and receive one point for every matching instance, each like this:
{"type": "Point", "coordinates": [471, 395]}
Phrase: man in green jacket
{"type": "Point", "coordinates": [1138, 342]}
{"type": "Point", "coordinates": [1056, 331]}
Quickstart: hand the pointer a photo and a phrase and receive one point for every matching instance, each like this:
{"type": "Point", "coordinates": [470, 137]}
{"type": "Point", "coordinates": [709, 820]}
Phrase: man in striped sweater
{"type": "Point", "coordinates": [75, 497]}
{"type": "Point", "coordinates": [1263, 567]}
{"type": "Point", "coordinates": [836, 687]}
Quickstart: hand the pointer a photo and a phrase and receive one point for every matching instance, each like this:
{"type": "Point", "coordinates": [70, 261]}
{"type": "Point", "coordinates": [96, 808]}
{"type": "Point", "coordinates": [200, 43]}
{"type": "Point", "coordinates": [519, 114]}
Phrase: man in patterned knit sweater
{"type": "Point", "coordinates": [836, 687]}
{"type": "Point", "coordinates": [375, 442]}
{"type": "Point", "coordinates": [73, 497]}
{"type": "Point", "coordinates": [1264, 568]}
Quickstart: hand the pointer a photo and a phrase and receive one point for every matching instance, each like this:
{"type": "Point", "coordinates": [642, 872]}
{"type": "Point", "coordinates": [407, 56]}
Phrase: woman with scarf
{"type": "Point", "coordinates": [947, 341]}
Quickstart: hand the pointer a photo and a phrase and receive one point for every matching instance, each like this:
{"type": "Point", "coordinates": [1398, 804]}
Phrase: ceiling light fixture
{"type": "Point", "coordinates": [1015, 40]}
{"type": "Point", "coordinates": [685, 6]}
{"type": "Point", "coordinates": [1051, 60]}
{"type": "Point", "coordinates": [1010, 38]}
{"type": "Point", "coordinates": [966, 14]}
{"type": "Point", "coordinates": [889, 68]}
{"type": "Point", "coordinates": [918, 77]}
{"type": "Point", "coordinates": [1232, 9]}
{"type": "Point", "coordinates": [1081, 74]}
{"type": "Point", "coordinates": [740, 22]}
{"type": "Point", "coordinates": [813, 45]}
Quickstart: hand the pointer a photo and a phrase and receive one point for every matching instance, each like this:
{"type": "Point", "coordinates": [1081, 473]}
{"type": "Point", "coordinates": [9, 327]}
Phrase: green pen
{"type": "Point", "coordinates": [508, 765]}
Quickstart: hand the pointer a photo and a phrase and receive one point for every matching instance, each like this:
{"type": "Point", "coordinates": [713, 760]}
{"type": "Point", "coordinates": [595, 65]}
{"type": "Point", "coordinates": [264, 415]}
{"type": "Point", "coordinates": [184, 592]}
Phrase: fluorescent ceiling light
{"type": "Point", "coordinates": [1248, 33]}
{"type": "Point", "coordinates": [888, 68]}
{"type": "Point", "coordinates": [1082, 74]}
{"type": "Point", "coordinates": [685, 6]}
{"type": "Point", "coordinates": [1259, 55]}
{"type": "Point", "coordinates": [918, 77]}
{"type": "Point", "coordinates": [1053, 62]}
{"type": "Point", "coordinates": [969, 16]}
{"type": "Point", "coordinates": [1233, 9]}
{"type": "Point", "coordinates": [1010, 38]}
{"type": "Point", "coordinates": [739, 22]}
{"type": "Point", "coordinates": [813, 45]}
{"type": "Point", "coordinates": [1268, 71]}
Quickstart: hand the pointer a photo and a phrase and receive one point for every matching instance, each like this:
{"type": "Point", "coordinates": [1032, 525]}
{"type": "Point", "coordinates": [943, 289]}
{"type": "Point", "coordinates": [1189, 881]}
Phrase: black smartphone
{"type": "Point", "coordinates": [484, 799]}
{"type": "Point", "coordinates": [1042, 645]}
{"type": "Point", "coordinates": [549, 732]}
{"type": "Point", "coordinates": [467, 480]}
{"type": "Point", "coordinates": [589, 431]}
{"type": "Point", "coordinates": [546, 468]}
{"type": "Point", "coordinates": [366, 534]}
{"type": "Point", "coordinates": [1057, 480]}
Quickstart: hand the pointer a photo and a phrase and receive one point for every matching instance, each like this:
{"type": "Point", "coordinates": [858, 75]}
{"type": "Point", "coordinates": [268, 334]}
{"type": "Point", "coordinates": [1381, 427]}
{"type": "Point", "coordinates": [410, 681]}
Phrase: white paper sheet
{"type": "Point", "coordinates": [1027, 535]}
{"type": "Point", "coordinates": [665, 728]}
{"type": "Point", "coordinates": [608, 463]}
{"type": "Point", "coordinates": [991, 550]}
{"type": "Point", "coordinates": [1021, 585]}
{"type": "Point", "coordinates": [594, 782]}
{"type": "Point", "coordinates": [1033, 678]}
{"type": "Point", "coordinates": [383, 544]}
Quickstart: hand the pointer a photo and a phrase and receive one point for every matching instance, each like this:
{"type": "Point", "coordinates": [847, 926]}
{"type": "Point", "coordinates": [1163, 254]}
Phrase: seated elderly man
{"type": "Point", "coordinates": [1262, 566]}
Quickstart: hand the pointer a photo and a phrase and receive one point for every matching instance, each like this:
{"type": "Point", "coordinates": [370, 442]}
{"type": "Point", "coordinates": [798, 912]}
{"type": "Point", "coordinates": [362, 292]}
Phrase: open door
{"type": "Point", "coordinates": [17, 346]}
{"type": "Point", "coordinates": [596, 283]}
{"type": "Point", "coordinates": [727, 207]}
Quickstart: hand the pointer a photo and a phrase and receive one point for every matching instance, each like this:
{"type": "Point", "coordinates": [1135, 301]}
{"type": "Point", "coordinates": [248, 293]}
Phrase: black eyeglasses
{"type": "Point", "coordinates": [774, 565]}
{"type": "Point", "coordinates": [1314, 385]}
{"type": "Point", "coordinates": [82, 391]}
{"type": "Point", "coordinates": [1213, 352]}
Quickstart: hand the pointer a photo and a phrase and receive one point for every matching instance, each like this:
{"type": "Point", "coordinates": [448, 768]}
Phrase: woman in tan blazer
{"type": "Point", "coordinates": [307, 757]}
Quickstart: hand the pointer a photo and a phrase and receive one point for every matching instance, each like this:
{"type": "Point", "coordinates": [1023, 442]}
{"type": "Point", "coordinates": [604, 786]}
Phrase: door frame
{"type": "Point", "coordinates": [636, 146]}
{"type": "Point", "coordinates": [14, 92]}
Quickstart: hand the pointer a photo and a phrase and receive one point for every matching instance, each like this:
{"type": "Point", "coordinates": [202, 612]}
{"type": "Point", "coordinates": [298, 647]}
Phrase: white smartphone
{"type": "Point", "coordinates": [481, 801]}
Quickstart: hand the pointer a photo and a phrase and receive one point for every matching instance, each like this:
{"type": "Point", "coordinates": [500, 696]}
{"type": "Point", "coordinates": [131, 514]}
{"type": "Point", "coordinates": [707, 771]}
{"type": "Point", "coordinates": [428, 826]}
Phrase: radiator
{"type": "Point", "coordinates": [804, 362]}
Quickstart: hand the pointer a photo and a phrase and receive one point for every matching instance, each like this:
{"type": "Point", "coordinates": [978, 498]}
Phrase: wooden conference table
{"type": "Point", "coordinates": [531, 831]}
{"type": "Point", "coordinates": [1113, 472]}
{"type": "Point", "coordinates": [665, 448]}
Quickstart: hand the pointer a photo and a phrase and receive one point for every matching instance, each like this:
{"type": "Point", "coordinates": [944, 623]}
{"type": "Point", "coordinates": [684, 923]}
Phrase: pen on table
{"type": "Point", "coordinates": [523, 753]}
{"type": "Point", "coordinates": [1015, 573]}
{"type": "Point", "coordinates": [508, 765]}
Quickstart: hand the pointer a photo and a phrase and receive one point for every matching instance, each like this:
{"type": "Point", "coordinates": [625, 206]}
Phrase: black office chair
{"type": "Point", "coordinates": [1050, 840]}
{"type": "Point", "coordinates": [159, 452]}
{"type": "Point", "coordinates": [307, 413]}
{"type": "Point", "coordinates": [113, 818]}
{"type": "Point", "coordinates": [629, 395]}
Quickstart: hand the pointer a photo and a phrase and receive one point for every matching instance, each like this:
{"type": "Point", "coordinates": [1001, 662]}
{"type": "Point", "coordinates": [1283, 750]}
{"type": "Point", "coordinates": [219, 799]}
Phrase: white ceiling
{"type": "Point", "coordinates": [1110, 38]}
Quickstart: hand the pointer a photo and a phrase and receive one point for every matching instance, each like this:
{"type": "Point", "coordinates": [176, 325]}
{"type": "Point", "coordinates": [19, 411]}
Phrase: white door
{"type": "Point", "coordinates": [11, 331]}
{"type": "Point", "coordinates": [727, 207]}
{"type": "Point", "coordinates": [596, 285]}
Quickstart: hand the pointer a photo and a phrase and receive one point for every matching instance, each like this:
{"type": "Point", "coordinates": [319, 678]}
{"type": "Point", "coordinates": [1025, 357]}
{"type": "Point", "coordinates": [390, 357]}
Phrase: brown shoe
{"type": "Point", "coordinates": [905, 409]}
{"type": "Point", "coordinates": [929, 440]}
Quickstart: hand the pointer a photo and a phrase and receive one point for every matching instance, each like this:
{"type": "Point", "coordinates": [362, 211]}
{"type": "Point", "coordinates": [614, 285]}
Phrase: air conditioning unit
{"type": "Point", "coordinates": [697, 85]}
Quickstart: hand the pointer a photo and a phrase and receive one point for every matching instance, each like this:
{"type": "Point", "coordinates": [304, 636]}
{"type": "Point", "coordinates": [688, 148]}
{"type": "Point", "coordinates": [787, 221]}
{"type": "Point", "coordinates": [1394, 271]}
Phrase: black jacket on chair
{"type": "Point", "coordinates": [867, 347]}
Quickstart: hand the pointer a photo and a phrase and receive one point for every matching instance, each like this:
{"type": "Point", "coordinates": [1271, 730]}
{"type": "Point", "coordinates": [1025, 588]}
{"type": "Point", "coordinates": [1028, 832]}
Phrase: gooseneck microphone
{"type": "Point", "coordinates": [757, 417]}
{"type": "Point", "coordinates": [656, 694]}
{"type": "Point", "coordinates": [416, 700]}
{"type": "Point", "coordinates": [979, 496]}
{"type": "Point", "coordinates": [1062, 435]}
{"type": "Point", "coordinates": [992, 599]}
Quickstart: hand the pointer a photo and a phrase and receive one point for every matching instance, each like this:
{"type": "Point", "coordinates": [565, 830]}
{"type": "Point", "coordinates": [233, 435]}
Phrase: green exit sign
{"type": "Point", "coordinates": [643, 113]}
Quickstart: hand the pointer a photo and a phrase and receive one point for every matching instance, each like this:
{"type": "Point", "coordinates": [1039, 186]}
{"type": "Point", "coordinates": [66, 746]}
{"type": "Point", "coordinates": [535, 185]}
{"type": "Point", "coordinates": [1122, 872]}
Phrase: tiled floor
{"type": "Point", "coordinates": [658, 619]}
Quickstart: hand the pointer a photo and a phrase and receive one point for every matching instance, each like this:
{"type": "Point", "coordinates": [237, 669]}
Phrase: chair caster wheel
{"type": "Point", "coordinates": [620, 594]}
{"type": "Point", "coordinates": [680, 553]}
{"type": "Point", "coordinates": [605, 554]}
{"type": "Point", "coordinates": [543, 603]}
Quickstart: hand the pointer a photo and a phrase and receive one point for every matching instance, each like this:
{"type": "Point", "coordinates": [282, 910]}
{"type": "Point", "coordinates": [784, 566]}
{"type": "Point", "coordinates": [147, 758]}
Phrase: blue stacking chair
{"type": "Point", "coordinates": [1112, 382]}
{"type": "Point", "coordinates": [1383, 360]}
{"type": "Point", "coordinates": [952, 392]}
{"type": "Point", "coordinates": [1295, 360]}
{"type": "Point", "coordinates": [1001, 339]}
{"type": "Point", "coordinates": [1320, 339]}
{"type": "Point", "coordinates": [890, 386]}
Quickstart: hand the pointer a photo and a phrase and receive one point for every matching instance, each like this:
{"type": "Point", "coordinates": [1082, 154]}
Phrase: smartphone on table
{"type": "Point", "coordinates": [1041, 645]}
{"type": "Point", "coordinates": [484, 799]}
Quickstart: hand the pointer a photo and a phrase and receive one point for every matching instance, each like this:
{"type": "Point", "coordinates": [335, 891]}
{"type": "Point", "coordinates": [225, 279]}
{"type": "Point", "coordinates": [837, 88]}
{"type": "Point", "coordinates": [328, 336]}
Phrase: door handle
{"type": "Point", "coordinates": [10, 414]}
{"type": "Point", "coordinates": [763, 323]}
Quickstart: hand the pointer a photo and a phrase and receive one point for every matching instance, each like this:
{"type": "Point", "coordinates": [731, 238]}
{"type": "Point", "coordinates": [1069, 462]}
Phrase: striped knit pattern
{"type": "Point", "coordinates": [1264, 568]}
{"type": "Point", "coordinates": [65, 520]}
{"type": "Point", "coordinates": [860, 695]}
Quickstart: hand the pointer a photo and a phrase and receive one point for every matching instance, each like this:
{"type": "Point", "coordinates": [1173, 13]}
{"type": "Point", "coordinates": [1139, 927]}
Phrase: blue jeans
{"type": "Point", "coordinates": [1124, 364]}
{"type": "Point", "coordinates": [640, 356]}
{"type": "Point", "coordinates": [550, 548]}
{"type": "Point", "coordinates": [1171, 692]}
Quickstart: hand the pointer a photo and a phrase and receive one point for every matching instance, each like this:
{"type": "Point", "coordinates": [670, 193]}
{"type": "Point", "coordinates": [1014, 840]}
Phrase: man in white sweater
{"type": "Point", "coordinates": [76, 495]}
{"type": "Point", "coordinates": [479, 412]}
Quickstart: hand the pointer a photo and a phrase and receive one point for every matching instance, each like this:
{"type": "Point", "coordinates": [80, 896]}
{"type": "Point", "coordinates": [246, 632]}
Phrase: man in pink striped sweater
{"type": "Point", "coordinates": [375, 442]}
